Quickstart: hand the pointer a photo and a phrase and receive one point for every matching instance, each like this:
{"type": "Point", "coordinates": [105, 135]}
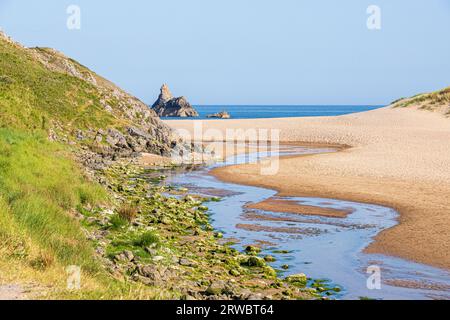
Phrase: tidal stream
{"type": "Point", "coordinates": [321, 247]}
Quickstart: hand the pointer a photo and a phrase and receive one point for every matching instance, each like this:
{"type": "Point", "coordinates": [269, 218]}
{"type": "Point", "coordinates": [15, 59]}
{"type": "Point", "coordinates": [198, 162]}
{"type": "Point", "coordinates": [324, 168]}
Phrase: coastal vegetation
{"type": "Point", "coordinates": [71, 194]}
{"type": "Point", "coordinates": [438, 101]}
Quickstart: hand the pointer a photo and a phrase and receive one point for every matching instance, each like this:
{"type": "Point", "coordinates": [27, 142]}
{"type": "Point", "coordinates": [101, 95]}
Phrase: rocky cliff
{"type": "Point", "coordinates": [43, 89]}
{"type": "Point", "coordinates": [168, 106]}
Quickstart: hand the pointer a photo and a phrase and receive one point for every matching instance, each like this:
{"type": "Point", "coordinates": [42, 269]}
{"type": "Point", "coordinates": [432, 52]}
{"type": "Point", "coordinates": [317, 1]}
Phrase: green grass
{"type": "Point", "coordinates": [39, 185]}
{"type": "Point", "coordinates": [146, 239]}
{"type": "Point", "coordinates": [31, 96]}
{"type": "Point", "coordinates": [117, 222]}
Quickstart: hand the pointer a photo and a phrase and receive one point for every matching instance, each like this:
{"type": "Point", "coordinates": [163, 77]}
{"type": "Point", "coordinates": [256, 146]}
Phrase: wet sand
{"type": "Point", "coordinates": [280, 205]}
{"type": "Point", "coordinates": [398, 158]}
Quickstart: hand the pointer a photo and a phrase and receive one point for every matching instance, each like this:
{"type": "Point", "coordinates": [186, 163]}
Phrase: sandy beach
{"type": "Point", "coordinates": [397, 157]}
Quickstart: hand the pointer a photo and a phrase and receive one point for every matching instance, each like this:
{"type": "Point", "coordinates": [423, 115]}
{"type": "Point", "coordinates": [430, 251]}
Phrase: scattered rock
{"type": "Point", "coordinates": [149, 271]}
{"type": "Point", "coordinates": [186, 263]}
{"type": "Point", "coordinates": [158, 258]}
{"type": "Point", "coordinates": [151, 251]}
{"type": "Point", "coordinates": [254, 262]}
{"type": "Point", "coordinates": [221, 287]}
{"type": "Point", "coordinates": [220, 115]}
{"type": "Point", "coordinates": [145, 280]}
{"type": "Point", "coordinates": [235, 273]}
{"type": "Point", "coordinates": [115, 138]}
{"type": "Point", "coordinates": [297, 279]}
{"type": "Point", "coordinates": [124, 257]}
{"type": "Point", "coordinates": [188, 297]}
{"type": "Point", "coordinates": [216, 288]}
{"type": "Point", "coordinates": [129, 255]}
{"type": "Point", "coordinates": [255, 297]}
{"type": "Point", "coordinates": [252, 249]}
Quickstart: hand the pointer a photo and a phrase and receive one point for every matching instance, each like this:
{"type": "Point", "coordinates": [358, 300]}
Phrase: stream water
{"type": "Point", "coordinates": [321, 247]}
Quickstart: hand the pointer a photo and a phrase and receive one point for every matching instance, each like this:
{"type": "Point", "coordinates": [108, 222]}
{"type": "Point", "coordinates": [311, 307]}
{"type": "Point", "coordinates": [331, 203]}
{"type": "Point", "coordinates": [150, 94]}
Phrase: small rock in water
{"type": "Point", "coordinates": [255, 262]}
{"type": "Point", "coordinates": [297, 279]}
{"type": "Point", "coordinates": [252, 249]}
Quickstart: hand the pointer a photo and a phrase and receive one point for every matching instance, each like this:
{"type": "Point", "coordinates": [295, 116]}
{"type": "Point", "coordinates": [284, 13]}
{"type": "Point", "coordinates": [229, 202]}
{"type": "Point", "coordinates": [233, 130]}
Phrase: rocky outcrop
{"type": "Point", "coordinates": [168, 106]}
{"type": "Point", "coordinates": [220, 115]}
{"type": "Point", "coordinates": [135, 128]}
{"type": "Point", "coordinates": [164, 97]}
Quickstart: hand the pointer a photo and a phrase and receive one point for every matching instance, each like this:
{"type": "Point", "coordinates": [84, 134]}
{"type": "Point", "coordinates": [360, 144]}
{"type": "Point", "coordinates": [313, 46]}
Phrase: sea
{"type": "Point", "coordinates": [280, 111]}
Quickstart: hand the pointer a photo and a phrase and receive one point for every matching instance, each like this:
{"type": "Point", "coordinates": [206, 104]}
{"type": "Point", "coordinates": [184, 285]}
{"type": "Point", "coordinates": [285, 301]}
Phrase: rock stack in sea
{"type": "Point", "coordinates": [168, 106]}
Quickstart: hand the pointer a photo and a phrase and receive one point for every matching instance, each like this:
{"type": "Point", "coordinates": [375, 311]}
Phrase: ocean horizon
{"type": "Point", "coordinates": [279, 111]}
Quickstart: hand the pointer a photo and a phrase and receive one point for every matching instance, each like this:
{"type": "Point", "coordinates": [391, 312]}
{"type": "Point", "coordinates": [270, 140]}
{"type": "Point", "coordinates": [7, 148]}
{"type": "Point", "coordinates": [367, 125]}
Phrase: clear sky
{"type": "Point", "coordinates": [249, 51]}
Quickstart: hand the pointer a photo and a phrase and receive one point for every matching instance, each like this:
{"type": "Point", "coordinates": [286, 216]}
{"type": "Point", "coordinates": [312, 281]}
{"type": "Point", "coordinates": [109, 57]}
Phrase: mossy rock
{"type": "Point", "coordinates": [297, 279]}
{"type": "Point", "coordinates": [254, 262]}
{"type": "Point", "coordinates": [270, 272]}
{"type": "Point", "coordinates": [252, 250]}
{"type": "Point", "coordinates": [281, 251]}
{"type": "Point", "coordinates": [234, 273]}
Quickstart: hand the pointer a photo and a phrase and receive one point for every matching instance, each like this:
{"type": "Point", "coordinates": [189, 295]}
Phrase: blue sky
{"type": "Point", "coordinates": [249, 51]}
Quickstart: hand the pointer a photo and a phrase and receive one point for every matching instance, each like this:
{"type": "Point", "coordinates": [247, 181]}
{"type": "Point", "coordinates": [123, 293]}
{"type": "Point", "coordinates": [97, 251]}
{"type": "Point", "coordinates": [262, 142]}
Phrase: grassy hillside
{"type": "Point", "coordinates": [438, 101]}
{"type": "Point", "coordinates": [42, 192]}
{"type": "Point", "coordinates": [42, 188]}
{"type": "Point", "coordinates": [41, 89]}
{"type": "Point", "coordinates": [31, 96]}
{"type": "Point", "coordinates": [39, 186]}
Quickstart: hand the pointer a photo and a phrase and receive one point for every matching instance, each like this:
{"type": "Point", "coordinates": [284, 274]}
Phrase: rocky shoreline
{"type": "Point", "coordinates": [160, 236]}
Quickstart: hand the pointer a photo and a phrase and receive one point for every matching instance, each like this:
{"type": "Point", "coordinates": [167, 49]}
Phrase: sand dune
{"type": "Point", "coordinates": [398, 158]}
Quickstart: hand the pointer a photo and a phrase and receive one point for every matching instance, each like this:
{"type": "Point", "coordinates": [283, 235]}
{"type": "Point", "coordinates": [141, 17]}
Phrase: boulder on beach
{"type": "Point", "coordinates": [168, 106]}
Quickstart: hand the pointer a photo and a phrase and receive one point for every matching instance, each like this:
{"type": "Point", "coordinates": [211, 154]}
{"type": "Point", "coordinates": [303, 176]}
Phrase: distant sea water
{"type": "Point", "coordinates": [274, 111]}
